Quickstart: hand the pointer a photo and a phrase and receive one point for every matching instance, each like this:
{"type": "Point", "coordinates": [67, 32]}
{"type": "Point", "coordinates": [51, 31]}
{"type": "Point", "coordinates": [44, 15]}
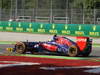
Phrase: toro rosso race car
{"type": "Point", "coordinates": [58, 45]}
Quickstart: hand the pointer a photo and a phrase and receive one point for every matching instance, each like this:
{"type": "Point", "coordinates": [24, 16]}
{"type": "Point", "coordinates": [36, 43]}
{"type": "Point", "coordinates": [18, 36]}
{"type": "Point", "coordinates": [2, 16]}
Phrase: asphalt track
{"type": "Point", "coordinates": [96, 51]}
{"type": "Point", "coordinates": [13, 36]}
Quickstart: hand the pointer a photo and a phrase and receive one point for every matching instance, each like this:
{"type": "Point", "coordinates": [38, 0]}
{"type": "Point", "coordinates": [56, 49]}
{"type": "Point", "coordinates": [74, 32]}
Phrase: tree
{"type": "Point", "coordinates": [87, 4]}
{"type": "Point", "coordinates": [5, 4]}
{"type": "Point", "coordinates": [30, 4]}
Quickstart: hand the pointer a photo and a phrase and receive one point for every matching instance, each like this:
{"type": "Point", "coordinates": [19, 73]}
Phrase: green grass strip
{"type": "Point", "coordinates": [97, 60]}
{"type": "Point", "coordinates": [55, 57]}
{"type": "Point", "coordinates": [7, 42]}
{"type": "Point", "coordinates": [96, 44]}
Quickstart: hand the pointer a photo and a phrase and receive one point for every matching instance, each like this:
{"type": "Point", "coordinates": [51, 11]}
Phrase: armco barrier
{"type": "Point", "coordinates": [63, 29]}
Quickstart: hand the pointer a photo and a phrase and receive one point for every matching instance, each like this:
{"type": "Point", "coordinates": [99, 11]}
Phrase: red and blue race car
{"type": "Point", "coordinates": [58, 45]}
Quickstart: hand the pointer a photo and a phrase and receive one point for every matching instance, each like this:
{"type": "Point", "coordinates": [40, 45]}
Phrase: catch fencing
{"type": "Point", "coordinates": [62, 16]}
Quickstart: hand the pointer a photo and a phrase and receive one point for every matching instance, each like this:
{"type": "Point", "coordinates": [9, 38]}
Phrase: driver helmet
{"type": "Point", "coordinates": [55, 37]}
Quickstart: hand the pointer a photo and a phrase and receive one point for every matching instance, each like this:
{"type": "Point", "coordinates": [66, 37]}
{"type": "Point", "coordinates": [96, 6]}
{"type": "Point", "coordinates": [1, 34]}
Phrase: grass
{"type": "Point", "coordinates": [7, 42]}
{"type": "Point", "coordinates": [96, 44]}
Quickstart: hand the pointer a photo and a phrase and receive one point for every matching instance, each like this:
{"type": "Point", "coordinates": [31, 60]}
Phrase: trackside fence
{"type": "Point", "coordinates": [91, 30]}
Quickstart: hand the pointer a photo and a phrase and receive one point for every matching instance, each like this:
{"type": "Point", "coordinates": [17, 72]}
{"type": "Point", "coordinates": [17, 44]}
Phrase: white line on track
{"type": "Point", "coordinates": [89, 69]}
{"type": "Point", "coordinates": [15, 63]}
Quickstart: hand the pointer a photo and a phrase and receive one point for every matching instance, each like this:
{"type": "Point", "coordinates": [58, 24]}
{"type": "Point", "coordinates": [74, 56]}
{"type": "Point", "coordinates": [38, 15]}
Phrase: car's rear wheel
{"type": "Point", "coordinates": [86, 54]}
{"type": "Point", "coordinates": [20, 48]}
{"type": "Point", "coordinates": [73, 51]}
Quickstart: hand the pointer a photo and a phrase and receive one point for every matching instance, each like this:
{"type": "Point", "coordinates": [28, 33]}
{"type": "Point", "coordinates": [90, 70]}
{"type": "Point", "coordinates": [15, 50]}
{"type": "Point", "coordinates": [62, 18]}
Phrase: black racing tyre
{"type": "Point", "coordinates": [73, 51]}
{"type": "Point", "coordinates": [86, 54]}
{"type": "Point", "coordinates": [87, 50]}
{"type": "Point", "coordinates": [20, 48]}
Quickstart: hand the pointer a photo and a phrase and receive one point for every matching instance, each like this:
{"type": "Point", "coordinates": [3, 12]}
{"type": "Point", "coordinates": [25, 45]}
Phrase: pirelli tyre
{"type": "Point", "coordinates": [87, 52]}
{"type": "Point", "coordinates": [20, 47]}
{"type": "Point", "coordinates": [73, 51]}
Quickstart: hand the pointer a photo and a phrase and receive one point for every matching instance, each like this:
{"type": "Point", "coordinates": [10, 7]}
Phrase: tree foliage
{"type": "Point", "coordinates": [56, 4]}
{"type": "Point", "coordinates": [87, 4]}
{"type": "Point", "coordinates": [5, 4]}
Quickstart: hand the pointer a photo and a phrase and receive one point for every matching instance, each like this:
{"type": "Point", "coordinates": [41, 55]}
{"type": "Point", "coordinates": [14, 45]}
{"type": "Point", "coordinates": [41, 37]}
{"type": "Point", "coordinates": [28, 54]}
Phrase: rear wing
{"type": "Point", "coordinates": [83, 42]}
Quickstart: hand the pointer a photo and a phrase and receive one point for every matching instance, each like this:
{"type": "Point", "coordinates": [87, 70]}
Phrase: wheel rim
{"type": "Point", "coordinates": [72, 51]}
{"type": "Point", "coordinates": [20, 48]}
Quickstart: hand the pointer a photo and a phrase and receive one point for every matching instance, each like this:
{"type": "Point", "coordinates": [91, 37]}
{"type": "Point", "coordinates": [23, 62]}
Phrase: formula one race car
{"type": "Point", "coordinates": [58, 45]}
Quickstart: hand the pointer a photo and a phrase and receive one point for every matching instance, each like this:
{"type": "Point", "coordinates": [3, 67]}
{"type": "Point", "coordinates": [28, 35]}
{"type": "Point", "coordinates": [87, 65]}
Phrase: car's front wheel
{"type": "Point", "coordinates": [20, 48]}
{"type": "Point", "coordinates": [73, 51]}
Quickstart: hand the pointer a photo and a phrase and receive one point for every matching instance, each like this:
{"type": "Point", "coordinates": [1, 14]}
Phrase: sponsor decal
{"type": "Point", "coordinates": [83, 40]}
